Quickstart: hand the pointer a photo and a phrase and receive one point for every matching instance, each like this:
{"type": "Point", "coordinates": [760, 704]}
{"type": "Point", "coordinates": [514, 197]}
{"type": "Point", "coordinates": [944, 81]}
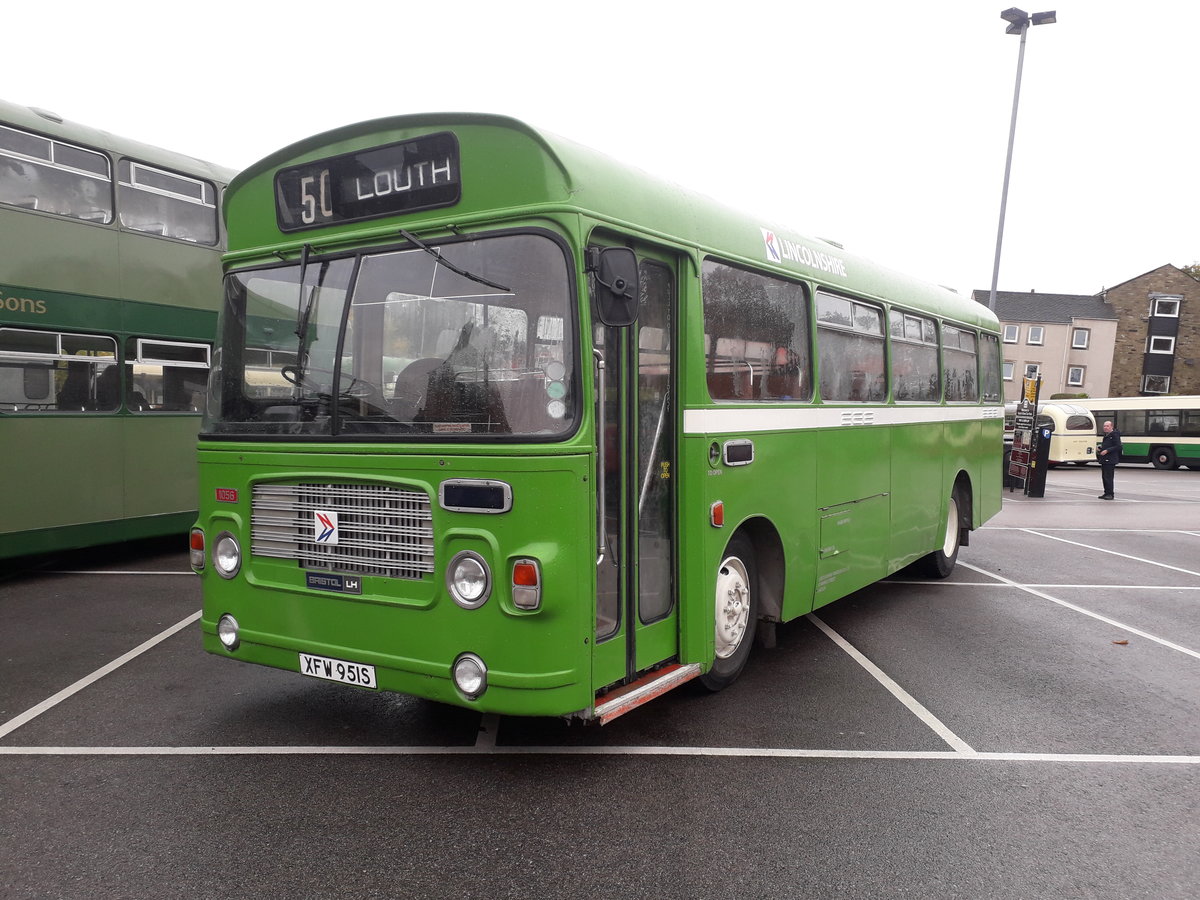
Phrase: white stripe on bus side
{"type": "Point", "coordinates": [716, 421]}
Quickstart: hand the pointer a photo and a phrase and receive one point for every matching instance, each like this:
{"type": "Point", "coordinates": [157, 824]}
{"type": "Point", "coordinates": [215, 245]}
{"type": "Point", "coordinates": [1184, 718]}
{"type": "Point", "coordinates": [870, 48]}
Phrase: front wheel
{"type": "Point", "coordinates": [940, 563]}
{"type": "Point", "coordinates": [736, 611]}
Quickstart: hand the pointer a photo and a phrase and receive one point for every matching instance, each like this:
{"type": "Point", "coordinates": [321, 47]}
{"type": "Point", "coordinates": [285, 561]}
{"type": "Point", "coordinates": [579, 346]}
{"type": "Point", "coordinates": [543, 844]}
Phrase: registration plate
{"type": "Point", "coordinates": [338, 670]}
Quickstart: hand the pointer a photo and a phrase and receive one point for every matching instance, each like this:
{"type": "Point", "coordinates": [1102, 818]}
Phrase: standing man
{"type": "Point", "coordinates": [1110, 455]}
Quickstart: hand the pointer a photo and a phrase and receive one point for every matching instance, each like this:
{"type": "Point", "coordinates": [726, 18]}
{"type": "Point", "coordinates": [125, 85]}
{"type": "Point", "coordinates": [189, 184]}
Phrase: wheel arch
{"type": "Point", "coordinates": [771, 565]}
{"type": "Point", "coordinates": [965, 490]}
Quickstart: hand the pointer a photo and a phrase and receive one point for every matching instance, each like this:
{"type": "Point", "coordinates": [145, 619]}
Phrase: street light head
{"type": "Point", "coordinates": [1015, 16]}
{"type": "Point", "coordinates": [1044, 18]}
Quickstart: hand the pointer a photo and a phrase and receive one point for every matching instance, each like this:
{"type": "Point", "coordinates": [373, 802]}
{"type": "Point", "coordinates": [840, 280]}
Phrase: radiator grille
{"type": "Point", "coordinates": [380, 530]}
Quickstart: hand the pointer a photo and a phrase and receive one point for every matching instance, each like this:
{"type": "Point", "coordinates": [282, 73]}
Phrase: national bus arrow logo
{"type": "Point", "coordinates": [325, 527]}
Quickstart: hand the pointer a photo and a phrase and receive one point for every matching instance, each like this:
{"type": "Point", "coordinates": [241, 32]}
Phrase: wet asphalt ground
{"type": "Point", "coordinates": [1029, 728]}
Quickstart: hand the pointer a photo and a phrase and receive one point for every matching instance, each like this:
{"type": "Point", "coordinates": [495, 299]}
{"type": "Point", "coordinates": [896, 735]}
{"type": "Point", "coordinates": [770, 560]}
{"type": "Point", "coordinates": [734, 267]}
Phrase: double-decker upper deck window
{"type": "Point", "coordinates": [49, 371]}
{"type": "Point", "coordinates": [959, 359]}
{"type": "Point", "coordinates": [155, 201]}
{"type": "Point", "coordinates": [850, 354]}
{"type": "Point", "coordinates": [914, 357]}
{"type": "Point", "coordinates": [755, 335]}
{"type": "Point", "coordinates": [47, 175]}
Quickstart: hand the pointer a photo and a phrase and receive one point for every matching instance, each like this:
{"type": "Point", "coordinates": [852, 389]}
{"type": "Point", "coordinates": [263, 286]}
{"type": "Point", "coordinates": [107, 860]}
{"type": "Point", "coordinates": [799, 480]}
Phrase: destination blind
{"type": "Point", "coordinates": [380, 181]}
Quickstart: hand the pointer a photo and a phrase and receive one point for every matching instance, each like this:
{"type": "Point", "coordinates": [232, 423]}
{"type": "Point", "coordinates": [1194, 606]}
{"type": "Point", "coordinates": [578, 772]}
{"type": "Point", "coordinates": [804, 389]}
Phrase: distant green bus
{"type": "Point", "coordinates": [107, 315]}
{"type": "Point", "coordinates": [499, 422]}
{"type": "Point", "coordinates": [1163, 430]}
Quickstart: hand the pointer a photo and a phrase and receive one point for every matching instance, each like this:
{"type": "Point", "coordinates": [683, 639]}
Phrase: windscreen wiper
{"type": "Point", "coordinates": [304, 310]}
{"type": "Point", "coordinates": [437, 254]}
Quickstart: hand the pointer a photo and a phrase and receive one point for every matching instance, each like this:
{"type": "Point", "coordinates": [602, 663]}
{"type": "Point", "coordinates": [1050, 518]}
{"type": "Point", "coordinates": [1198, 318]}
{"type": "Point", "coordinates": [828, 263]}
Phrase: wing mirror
{"type": "Point", "coordinates": [615, 271]}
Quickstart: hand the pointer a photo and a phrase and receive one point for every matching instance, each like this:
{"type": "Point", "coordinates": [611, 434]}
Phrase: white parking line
{"type": "Point", "coordinates": [468, 750]}
{"type": "Point", "coordinates": [898, 692]}
{"type": "Point", "coordinates": [30, 714]}
{"type": "Point", "coordinates": [1151, 562]}
{"type": "Point", "coordinates": [1087, 612]}
{"type": "Point", "coordinates": [1103, 530]}
{"type": "Point", "coordinates": [1091, 587]}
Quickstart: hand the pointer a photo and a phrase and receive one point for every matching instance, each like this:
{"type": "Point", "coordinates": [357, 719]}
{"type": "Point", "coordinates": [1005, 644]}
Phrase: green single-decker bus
{"type": "Point", "coordinates": [496, 421]}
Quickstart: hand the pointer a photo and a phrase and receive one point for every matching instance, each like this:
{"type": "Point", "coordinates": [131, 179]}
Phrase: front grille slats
{"type": "Point", "coordinates": [381, 530]}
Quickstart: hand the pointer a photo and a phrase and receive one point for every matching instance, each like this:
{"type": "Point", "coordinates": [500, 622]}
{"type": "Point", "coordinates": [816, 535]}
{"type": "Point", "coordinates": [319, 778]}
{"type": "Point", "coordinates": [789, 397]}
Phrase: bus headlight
{"type": "Point", "coordinates": [470, 675]}
{"type": "Point", "coordinates": [227, 555]}
{"type": "Point", "coordinates": [469, 579]}
{"type": "Point", "coordinates": [227, 631]}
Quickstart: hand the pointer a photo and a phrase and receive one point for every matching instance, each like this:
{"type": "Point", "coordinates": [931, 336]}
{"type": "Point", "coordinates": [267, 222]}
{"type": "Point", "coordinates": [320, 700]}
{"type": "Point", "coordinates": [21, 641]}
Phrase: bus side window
{"type": "Point", "coordinates": [165, 376]}
{"type": "Point", "coordinates": [755, 335]}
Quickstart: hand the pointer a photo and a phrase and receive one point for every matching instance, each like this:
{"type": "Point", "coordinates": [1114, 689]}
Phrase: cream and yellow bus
{"type": "Point", "coordinates": [1072, 432]}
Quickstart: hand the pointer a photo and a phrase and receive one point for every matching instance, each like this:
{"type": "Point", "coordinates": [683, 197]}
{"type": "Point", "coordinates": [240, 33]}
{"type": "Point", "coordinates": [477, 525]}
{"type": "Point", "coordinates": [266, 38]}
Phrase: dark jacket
{"type": "Point", "coordinates": [1112, 443]}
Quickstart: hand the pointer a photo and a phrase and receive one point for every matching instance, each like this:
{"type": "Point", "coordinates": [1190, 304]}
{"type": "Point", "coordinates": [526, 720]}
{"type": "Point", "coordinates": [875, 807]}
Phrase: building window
{"type": "Point", "coordinates": [1036, 334]}
{"type": "Point", "coordinates": [1080, 338]}
{"type": "Point", "coordinates": [1033, 370]}
{"type": "Point", "coordinates": [1161, 345]}
{"type": "Point", "coordinates": [1075, 376]}
{"type": "Point", "coordinates": [1166, 306]}
{"type": "Point", "coordinates": [1156, 384]}
{"type": "Point", "coordinates": [1008, 370]}
{"type": "Point", "coordinates": [1012, 334]}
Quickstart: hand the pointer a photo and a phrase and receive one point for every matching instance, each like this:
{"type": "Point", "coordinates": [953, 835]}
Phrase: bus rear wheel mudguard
{"type": "Point", "coordinates": [736, 608]}
{"type": "Point", "coordinates": [940, 563]}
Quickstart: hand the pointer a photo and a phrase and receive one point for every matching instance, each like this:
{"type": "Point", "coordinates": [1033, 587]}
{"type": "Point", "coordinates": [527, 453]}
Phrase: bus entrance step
{"type": "Point", "coordinates": [655, 684]}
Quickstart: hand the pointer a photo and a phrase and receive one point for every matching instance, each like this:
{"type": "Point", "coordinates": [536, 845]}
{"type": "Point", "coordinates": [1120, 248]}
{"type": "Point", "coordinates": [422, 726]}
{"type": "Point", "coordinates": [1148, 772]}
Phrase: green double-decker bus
{"type": "Point", "coordinates": [111, 255]}
{"type": "Point", "coordinates": [496, 421]}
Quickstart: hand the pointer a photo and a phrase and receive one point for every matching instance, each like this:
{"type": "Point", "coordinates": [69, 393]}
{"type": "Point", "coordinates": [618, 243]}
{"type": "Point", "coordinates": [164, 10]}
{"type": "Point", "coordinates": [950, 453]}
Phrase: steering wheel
{"type": "Point", "coordinates": [294, 375]}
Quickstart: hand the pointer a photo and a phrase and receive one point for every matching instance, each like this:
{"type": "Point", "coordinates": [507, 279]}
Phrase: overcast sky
{"type": "Point", "coordinates": [880, 124]}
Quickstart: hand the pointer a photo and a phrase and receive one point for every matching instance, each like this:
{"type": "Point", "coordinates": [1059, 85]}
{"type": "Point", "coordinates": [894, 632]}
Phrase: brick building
{"type": "Point", "coordinates": [1141, 337]}
{"type": "Point", "coordinates": [1157, 347]}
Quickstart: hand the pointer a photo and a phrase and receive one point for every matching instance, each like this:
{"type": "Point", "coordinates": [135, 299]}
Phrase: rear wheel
{"type": "Point", "coordinates": [1163, 458]}
{"type": "Point", "coordinates": [940, 563]}
{"type": "Point", "coordinates": [736, 608]}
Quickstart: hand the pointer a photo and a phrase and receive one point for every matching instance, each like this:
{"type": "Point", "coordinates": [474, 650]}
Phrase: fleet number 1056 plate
{"type": "Point", "coordinates": [358, 674]}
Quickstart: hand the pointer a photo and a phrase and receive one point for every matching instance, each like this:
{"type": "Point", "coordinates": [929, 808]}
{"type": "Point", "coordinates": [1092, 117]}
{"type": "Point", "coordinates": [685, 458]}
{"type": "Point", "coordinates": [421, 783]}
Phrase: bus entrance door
{"type": "Point", "coordinates": [637, 617]}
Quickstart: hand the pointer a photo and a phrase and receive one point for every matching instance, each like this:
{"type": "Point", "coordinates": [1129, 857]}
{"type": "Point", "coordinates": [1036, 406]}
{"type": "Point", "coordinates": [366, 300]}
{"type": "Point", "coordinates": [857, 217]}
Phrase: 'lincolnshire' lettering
{"type": "Point", "coordinates": [779, 249]}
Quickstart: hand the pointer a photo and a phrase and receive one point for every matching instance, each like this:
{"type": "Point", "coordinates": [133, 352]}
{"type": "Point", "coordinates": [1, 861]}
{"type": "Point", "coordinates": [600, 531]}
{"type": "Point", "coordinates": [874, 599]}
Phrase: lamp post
{"type": "Point", "coordinates": [1018, 23]}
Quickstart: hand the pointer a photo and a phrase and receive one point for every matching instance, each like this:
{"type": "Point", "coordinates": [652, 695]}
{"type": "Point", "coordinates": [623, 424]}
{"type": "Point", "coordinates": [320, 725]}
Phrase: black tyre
{"type": "Point", "coordinates": [1163, 458]}
{"type": "Point", "coordinates": [736, 602]}
{"type": "Point", "coordinates": [940, 563]}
